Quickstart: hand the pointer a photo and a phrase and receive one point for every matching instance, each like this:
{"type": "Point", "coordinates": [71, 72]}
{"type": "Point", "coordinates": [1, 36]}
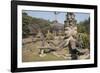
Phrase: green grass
{"type": "Point", "coordinates": [47, 57]}
{"type": "Point", "coordinates": [30, 54]}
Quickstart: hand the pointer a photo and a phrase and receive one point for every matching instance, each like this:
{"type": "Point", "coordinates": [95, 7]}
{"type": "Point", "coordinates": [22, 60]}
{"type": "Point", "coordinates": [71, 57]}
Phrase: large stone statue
{"type": "Point", "coordinates": [70, 29]}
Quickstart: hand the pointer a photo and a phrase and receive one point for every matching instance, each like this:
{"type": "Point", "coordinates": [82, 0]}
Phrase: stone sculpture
{"type": "Point", "coordinates": [68, 40]}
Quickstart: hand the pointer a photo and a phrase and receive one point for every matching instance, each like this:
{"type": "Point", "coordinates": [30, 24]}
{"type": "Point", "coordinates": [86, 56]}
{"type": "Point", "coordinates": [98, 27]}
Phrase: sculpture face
{"type": "Point", "coordinates": [70, 31]}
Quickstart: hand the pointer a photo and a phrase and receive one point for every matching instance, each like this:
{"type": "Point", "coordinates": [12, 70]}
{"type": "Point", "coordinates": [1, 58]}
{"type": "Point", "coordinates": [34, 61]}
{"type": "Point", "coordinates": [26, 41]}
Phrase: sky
{"type": "Point", "coordinates": [61, 16]}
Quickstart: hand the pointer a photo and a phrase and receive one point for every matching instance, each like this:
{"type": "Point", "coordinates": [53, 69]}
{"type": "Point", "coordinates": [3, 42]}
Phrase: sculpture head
{"type": "Point", "coordinates": [71, 31]}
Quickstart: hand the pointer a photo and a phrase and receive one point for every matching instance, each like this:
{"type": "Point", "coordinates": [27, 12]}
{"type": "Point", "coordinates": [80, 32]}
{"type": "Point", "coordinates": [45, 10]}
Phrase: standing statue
{"type": "Point", "coordinates": [70, 29]}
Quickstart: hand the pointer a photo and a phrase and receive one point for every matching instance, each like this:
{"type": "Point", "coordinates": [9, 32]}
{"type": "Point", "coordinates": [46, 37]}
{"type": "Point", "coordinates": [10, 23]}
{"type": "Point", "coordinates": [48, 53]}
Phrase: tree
{"type": "Point", "coordinates": [36, 23]}
{"type": "Point", "coordinates": [84, 32]}
{"type": "Point", "coordinates": [84, 27]}
{"type": "Point", "coordinates": [26, 20]}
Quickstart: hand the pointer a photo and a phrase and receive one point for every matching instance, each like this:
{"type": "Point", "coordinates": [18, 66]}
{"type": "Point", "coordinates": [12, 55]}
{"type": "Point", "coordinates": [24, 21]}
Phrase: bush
{"type": "Point", "coordinates": [85, 40]}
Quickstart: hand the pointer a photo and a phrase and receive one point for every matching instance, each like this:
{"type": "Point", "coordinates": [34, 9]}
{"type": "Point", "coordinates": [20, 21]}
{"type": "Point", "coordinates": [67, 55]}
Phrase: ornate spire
{"type": "Point", "coordinates": [70, 19]}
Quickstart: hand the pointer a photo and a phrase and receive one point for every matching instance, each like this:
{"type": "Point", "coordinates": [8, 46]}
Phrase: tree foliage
{"type": "Point", "coordinates": [84, 27]}
{"type": "Point", "coordinates": [84, 32]}
{"type": "Point", "coordinates": [26, 20]}
{"type": "Point", "coordinates": [39, 24]}
{"type": "Point", "coordinates": [85, 40]}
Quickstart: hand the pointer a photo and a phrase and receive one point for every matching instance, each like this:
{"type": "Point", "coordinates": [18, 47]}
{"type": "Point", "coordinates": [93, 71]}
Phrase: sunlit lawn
{"type": "Point", "coordinates": [29, 57]}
